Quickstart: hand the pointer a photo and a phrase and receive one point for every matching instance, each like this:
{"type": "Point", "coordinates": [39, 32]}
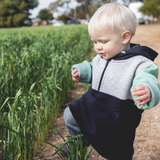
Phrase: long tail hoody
{"type": "Point", "coordinates": [107, 113]}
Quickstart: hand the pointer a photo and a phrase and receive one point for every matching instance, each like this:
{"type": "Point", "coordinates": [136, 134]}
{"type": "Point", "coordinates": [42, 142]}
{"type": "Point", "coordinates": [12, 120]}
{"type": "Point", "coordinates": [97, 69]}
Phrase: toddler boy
{"type": "Point", "coordinates": [123, 81]}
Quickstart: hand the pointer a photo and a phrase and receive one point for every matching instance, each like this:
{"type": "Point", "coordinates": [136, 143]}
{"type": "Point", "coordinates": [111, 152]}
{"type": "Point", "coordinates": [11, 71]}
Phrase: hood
{"type": "Point", "coordinates": [136, 50]}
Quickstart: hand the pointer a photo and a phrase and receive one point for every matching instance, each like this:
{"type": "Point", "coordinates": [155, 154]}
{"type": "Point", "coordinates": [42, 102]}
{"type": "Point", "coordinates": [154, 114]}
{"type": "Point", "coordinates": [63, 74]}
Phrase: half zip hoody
{"type": "Point", "coordinates": [107, 113]}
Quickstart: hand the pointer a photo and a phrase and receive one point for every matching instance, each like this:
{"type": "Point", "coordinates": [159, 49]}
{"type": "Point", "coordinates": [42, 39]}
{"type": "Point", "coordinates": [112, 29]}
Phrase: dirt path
{"type": "Point", "coordinates": [147, 141]}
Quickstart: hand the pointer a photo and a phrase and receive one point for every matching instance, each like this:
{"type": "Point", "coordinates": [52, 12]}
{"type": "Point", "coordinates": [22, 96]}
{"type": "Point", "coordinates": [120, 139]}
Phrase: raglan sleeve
{"type": "Point", "coordinates": [148, 77]}
{"type": "Point", "coordinates": [85, 71]}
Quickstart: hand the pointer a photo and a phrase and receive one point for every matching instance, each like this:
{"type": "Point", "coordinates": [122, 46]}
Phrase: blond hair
{"type": "Point", "coordinates": [114, 16]}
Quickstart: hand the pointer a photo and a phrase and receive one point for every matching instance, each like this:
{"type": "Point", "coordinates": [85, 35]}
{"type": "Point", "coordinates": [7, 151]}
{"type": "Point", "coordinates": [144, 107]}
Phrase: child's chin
{"type": "Point", "coordinates": [105, 57]}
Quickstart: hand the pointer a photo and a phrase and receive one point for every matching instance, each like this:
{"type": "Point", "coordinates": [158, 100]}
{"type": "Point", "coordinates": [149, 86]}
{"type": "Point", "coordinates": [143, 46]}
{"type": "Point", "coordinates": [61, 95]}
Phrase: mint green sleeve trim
{"type": "Point", "coordinates": [85, 71]}
{"type": "Point", "coordinates": [148, 77]}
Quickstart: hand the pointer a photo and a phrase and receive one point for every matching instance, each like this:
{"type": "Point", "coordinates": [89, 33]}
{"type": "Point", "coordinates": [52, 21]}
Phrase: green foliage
{"type": "Point", "coordinates": [84, 10]}
{"type": "Point", "coordinates": [59, 3]}
{"type": "Point", "coordinates": [151, 8]}
{"type": "Point", "coordinates": [14, 13]}
{"type": "Point", "coordinates": [35, 66]}
{"type": "Point", "coordinates": [63, 18]}
{"type": "Point", "coordinates": [75, 145]}
{"type": "Point", "coordinates": [45, 14]}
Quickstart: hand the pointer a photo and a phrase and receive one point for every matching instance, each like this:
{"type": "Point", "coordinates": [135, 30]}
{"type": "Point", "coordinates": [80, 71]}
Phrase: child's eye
{"type": "Point", "coordinates": [104, 42]}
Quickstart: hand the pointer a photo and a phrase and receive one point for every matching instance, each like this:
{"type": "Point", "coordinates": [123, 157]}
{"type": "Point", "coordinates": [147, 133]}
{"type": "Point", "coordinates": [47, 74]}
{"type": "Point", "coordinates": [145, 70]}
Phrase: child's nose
{"type": "Point", "coordinates": [99, 46]}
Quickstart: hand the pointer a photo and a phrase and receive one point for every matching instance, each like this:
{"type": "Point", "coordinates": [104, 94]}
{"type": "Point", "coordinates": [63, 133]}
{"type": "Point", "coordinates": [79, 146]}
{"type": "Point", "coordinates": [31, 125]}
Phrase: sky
{"type": "Point", "coordinates": [45, 4]}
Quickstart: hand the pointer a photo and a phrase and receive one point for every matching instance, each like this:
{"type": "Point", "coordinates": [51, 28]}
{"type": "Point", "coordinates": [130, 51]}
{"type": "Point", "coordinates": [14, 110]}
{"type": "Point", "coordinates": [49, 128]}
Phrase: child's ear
{"type": "Point", "coordinates": [126, 36]}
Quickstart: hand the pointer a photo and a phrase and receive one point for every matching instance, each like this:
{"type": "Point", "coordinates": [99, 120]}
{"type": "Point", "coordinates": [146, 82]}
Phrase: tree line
{"type": "Point", "coordinates": [15, 13]}
{"type": "Point", "coordinates": [86, 8]}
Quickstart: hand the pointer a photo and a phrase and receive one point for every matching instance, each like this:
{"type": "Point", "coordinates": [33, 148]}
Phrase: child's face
{"type": "Point", "coordinates": [107, 43]}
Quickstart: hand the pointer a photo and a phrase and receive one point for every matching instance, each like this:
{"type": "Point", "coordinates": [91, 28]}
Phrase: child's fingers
{"type": "Point", "coordinates": [75, 73]}
{"type": "Point", "coordinates": [143, 94]}
{"type": "Point", "coordinates": [138, 88]}
{"type": "Point", "coordinates": [76, 79]}
{"type": "Point", "coordinates": [141, 98]}
{"type": "Point", "coordinates": [143, 102]}
{"type": "Point", "coordinates": [139, 92]}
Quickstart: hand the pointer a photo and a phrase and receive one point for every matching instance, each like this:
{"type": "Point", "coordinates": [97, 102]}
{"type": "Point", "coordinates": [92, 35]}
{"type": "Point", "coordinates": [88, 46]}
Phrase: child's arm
{"type": "Point", "coordinates": [146, 88]}
{"type": "Point", "coordinates": [82, 72]}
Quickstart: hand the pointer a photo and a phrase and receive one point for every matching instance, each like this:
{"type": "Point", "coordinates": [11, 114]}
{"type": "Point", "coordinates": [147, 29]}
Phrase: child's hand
{"type": "Point", "coordinates": [143, 93]}
{"type": "Point", "coordinates": [75, 74]}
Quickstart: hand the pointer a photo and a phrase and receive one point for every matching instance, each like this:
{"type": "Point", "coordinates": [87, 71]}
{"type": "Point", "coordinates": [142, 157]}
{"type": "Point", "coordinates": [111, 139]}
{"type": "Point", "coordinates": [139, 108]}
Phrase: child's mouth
{"type": "Point", "coordinates": [102, 54]}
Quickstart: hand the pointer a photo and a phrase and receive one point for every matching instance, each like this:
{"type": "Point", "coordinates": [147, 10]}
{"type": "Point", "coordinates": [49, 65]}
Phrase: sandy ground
{"type": "Point", "coordinates": [147, 141]}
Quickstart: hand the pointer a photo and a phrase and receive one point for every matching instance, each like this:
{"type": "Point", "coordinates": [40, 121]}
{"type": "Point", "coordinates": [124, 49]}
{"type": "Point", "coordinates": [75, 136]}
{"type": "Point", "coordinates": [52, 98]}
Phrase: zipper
{"type": "Point", "coordinates": [103, 73]}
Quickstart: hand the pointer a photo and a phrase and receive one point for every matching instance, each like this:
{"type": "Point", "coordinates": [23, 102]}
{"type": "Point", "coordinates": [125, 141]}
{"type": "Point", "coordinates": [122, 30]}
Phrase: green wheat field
{"type": "Point", "coordinates": [35, 67]}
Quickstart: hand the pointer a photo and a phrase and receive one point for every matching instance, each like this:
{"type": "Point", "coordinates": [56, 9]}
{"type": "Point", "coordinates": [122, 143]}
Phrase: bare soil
{"type": "Point", "coordinates": [147, 141]}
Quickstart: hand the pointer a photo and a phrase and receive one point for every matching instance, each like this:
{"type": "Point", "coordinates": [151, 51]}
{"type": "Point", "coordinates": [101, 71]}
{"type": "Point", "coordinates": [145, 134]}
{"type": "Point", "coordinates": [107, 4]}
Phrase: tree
{"type": "Point", "coordinates": [45, 14]}
{"type": "Point", "coordinates": [151, 8]}
{"type": "Point", "coordinates": [84, 10]}
{"type": "Point", "coordinates": [15, 13]}
{"type": "Point", "coordinates": [63, 18]}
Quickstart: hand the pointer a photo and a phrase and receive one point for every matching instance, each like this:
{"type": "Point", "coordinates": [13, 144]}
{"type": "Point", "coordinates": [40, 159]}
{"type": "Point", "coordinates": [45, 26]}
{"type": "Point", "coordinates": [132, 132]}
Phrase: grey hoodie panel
{"type": "Point", "coordinates": [99, 65]}
{"type": "Point", "coordinates": [119, 75]}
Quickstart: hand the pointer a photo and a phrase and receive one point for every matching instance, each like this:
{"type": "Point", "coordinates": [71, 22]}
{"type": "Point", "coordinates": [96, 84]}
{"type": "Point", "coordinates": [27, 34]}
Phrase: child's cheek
{"type": "Point", "coordinates": [112, 51]}
{"type": "Point", "coordinates": [115, 50]}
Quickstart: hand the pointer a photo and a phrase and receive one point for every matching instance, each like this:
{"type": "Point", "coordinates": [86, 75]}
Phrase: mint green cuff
{"type": "Point", "coordinates": [148, 77]}
{"type": "Point", "coordinates": [85, 71]}
{"type": "Point", "coordinates": [154, 97]}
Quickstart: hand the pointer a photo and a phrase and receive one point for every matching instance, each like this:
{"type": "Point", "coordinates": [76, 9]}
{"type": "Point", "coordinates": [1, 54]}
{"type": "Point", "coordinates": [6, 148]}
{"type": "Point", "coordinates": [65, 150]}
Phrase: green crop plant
{"type": "Point", "coordinates": [75, 145]}
{"type": "Point", "coordinates": [35, 67]}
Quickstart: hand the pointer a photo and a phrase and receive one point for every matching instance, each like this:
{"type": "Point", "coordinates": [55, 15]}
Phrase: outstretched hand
{"type": "Point", "coordinates": [143, 93]}
{"type": "Point", "coordinates": [75, 74]}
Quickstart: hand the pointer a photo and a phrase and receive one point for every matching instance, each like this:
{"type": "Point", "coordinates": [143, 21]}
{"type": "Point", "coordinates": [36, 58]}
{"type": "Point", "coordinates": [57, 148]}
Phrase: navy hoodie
{"type": "Point", "coordinates": [106, 113]}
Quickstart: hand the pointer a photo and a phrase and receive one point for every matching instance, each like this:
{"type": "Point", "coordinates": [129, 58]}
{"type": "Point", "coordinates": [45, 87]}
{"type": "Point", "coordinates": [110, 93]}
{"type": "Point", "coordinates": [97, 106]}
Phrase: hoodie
{"type": "Point", "coordinates": [107, 113]}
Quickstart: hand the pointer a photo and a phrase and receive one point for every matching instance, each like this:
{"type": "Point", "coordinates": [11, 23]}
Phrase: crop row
{"type": "Point", "coordinates": [35, 66]}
